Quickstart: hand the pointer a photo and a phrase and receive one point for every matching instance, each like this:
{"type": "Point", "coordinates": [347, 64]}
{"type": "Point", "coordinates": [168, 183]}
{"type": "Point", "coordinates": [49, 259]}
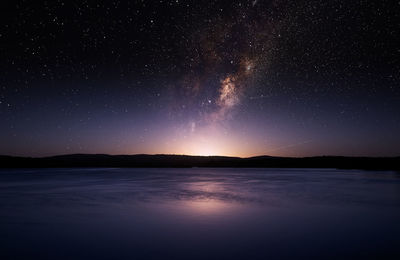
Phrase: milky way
{"type": "Point", "coordinates": [238, 78]}
{"type": "Point", "coordinates": [229, 54]}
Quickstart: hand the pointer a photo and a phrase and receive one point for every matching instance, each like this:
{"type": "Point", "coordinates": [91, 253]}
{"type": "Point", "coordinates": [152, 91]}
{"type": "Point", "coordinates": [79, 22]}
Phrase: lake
{"type": "Point", "coordinates": [199, 213]}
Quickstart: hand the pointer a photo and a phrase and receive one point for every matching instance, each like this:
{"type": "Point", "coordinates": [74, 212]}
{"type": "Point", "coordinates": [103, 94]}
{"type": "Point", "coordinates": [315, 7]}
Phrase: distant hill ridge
{"type": "Point", "coordinates": [166, 160]}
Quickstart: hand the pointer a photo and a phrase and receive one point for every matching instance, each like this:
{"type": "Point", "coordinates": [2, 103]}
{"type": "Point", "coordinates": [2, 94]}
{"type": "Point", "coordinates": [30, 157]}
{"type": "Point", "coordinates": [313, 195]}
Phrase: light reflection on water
{"type": "Point", "coordinates": [198, 213]}
{"type": "Point", "coordinates": [205, 206]}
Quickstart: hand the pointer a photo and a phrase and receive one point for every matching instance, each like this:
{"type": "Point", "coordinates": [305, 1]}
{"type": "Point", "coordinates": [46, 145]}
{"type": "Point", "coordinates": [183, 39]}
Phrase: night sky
{"type": "Point", "coordinates": [237, 78]}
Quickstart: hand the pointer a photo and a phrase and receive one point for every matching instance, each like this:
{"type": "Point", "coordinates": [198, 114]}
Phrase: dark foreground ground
{"type": "Point", "coordinates": [199, 213]}
{"type": "Point", "coordinates": [176, 161]}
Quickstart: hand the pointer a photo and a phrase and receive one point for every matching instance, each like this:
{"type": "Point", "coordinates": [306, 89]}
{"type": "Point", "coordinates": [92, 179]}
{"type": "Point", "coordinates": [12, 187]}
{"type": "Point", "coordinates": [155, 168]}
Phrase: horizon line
{"type": "Point", "coordinates": [191, 155]}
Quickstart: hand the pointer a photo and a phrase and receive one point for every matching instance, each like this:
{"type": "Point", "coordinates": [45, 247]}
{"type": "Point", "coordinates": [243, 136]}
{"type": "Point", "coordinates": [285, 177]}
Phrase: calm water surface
{"type": "Point", "coordinates": [199, 214]}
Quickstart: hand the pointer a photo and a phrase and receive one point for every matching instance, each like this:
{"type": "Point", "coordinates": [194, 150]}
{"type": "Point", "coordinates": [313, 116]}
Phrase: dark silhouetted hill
{"type": "Point", "coordinates": [156, 161]}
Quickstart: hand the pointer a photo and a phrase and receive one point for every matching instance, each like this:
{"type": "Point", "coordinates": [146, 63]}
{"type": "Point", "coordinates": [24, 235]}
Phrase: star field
{"type": "Point", "coordinates": [243, 78]}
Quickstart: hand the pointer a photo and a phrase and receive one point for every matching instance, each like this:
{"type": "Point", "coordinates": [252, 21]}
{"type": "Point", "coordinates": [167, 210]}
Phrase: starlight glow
{"type": "Point", "coordinates": [225, 78]}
